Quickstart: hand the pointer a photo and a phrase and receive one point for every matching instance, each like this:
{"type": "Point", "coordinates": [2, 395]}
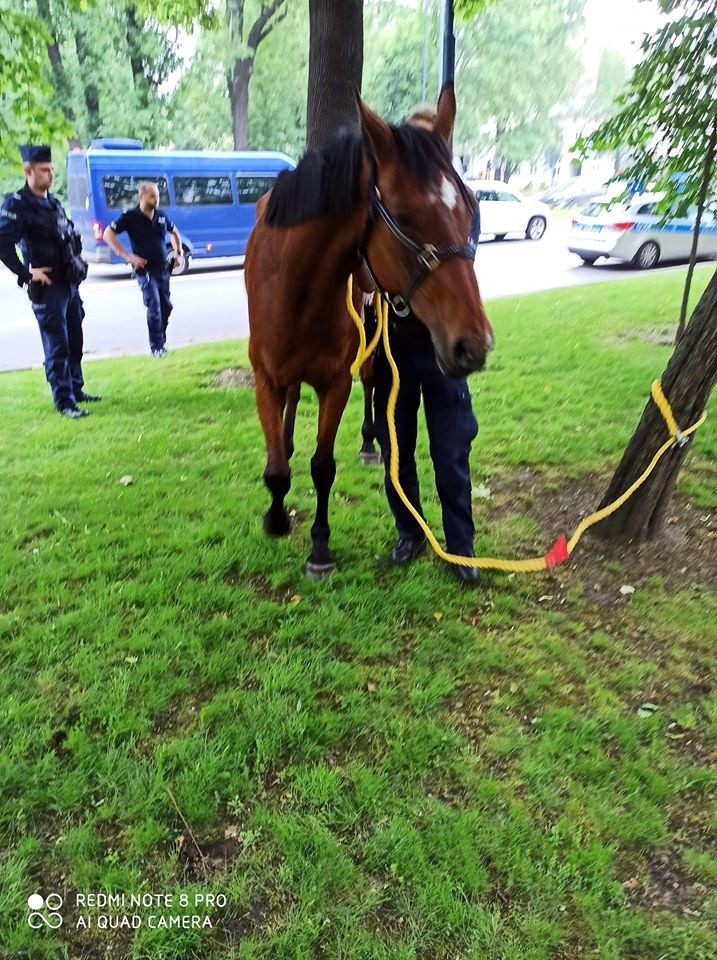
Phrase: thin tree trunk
{"type": "Point", "coordinates": [89, 87]}
{"type": "Point", "coordinates": [270, 14]}
{"type": "Point", "coordinates": [335, 66]}
{"type": "Point", "coordinates": [687, 383]}
{"type": "Point", "coordinates": [701, 201]}
{"type": "Point", "coordinates": [62, 85]}
{"type": "Point", "coordinates": [239, 100]}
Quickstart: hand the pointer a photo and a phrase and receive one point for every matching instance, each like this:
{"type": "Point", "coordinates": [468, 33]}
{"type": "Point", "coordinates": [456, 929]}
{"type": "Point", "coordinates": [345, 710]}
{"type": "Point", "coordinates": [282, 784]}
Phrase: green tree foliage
{"type": "Point", "coordinates": [517, 62]}
{"type": "Point", "coordinates": [201, 109]}
{"type": "Point", "coordinates": [668, 116]}
{"type": "Point", "coordinates": [400, 56]}
{"type": "Point", "coordinates": [26, 113]}
{"type": "Point", "coordinates": [669, 110]}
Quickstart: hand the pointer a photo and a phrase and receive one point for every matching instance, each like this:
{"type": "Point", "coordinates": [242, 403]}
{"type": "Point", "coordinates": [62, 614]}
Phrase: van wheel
{"type": "Point", "coordinates": [647, 256]}
{"type": "Point", "coordinates": [500, 236]}
{"type": "Point", "coordinates": [185, 266]}
{"type": "Point", "coordinates": [589, 261]}
{"type": "Point", "coordinates": [536, 228]}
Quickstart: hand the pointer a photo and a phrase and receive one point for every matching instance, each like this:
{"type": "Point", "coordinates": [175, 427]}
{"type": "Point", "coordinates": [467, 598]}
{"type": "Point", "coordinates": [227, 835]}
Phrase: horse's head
{"type": "Point", "coordinates": [421, 245]}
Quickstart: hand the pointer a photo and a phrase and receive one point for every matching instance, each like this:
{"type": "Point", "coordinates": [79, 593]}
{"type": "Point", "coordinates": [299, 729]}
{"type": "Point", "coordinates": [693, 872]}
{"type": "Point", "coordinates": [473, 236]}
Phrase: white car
{"type": "Point", "coordinates": [637, 233]}
{"type": "Point", "coordinates": [503, 210]}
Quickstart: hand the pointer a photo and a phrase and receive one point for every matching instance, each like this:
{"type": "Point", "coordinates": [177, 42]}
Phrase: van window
{"type": "Point", "coordinates": [647, 209]}
{"type": "Point", "coordinates": [121, 191]}
{"type": "Point", "coordinates": [507, 197]}
{"type": "Point", "coordinates": [249, 189]}
{"type": "Point", "coordinates": [77, 190]}
{"type": "Point", "coordinates": [203, 191]}
{"type": "Point", "coordinates": [486, 195]}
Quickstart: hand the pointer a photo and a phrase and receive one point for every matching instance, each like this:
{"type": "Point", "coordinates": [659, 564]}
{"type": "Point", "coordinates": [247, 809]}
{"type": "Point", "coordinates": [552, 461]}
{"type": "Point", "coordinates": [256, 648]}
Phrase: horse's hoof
{"type": "Point", "coordinates": [371, 458]}
{"type": "Point", "coordinates": [276, 525]}
{"type": "Point", "coordinates": [319, 571]}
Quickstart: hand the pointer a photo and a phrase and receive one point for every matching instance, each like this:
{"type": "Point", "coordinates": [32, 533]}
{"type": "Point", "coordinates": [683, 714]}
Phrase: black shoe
{"type": "Point", "coordinates": [406, 550]}
{"type": "Point", "coordinates": [470, 576]}
{"type": "Point", "coordinates": [83, 397]}
{"type": "Point", "coordinates": [73, 413]}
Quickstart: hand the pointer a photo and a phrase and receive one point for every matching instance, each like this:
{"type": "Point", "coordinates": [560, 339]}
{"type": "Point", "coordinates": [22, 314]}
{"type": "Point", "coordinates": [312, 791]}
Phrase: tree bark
{"type": "Point", "coordinates": [701, 201]}
{"type": "Point", "coordinates": [62, 85]}
{"type": "Point", "coordinates": [239, 100]}
{"type": "Point", "coordinates": [89, 87]}
{"type": "Point", "coordinates": [335, 66]}
{"type": "Point", "coordinates": [271, 13]}
{"type": "Point", "coordinates": [687, 383]}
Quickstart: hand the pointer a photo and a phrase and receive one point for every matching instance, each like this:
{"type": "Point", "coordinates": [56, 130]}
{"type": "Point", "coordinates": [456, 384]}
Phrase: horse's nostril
{"type": "Point", "coordinates": [468, 355]}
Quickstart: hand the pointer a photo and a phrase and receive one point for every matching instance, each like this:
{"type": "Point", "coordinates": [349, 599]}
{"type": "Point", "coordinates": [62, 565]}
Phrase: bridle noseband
{"type": "Point", "coordinates": [429, 256]}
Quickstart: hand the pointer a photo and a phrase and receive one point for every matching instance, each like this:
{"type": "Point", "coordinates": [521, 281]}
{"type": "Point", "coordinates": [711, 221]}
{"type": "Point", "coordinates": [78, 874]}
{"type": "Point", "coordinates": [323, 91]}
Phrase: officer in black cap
{"type": "Point", "coordinates": [52, 268]}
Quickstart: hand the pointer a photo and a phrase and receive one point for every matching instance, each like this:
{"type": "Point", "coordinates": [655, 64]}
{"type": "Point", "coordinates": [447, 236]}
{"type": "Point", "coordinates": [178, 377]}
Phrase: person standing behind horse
{"type": "Point", "coordinates": [147, 227]}
{"type": "Point", "coordinates": [35, 221]}
{"type": "Point", "coordinates": [451, 424]}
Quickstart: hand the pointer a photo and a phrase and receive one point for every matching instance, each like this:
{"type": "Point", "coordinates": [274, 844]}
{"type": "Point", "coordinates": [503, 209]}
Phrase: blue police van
{"type": "Point", "coordinates": [210, 196]}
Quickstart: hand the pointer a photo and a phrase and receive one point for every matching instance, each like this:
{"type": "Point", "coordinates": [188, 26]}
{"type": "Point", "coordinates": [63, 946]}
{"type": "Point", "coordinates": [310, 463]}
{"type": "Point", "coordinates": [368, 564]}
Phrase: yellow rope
{"type": "Point", "coordinates": [562, 548]}
{"type": "Point", "coordinates": [364, 351]}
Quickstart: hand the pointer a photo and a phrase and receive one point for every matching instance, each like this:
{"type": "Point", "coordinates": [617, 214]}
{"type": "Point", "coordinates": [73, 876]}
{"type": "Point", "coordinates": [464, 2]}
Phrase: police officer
{"type": "Point", "coordinates": [147, 227]}
{"type": "Point", "coordinates": [452, 427]}
{"type": "Point", "coordinates": [52, 268]}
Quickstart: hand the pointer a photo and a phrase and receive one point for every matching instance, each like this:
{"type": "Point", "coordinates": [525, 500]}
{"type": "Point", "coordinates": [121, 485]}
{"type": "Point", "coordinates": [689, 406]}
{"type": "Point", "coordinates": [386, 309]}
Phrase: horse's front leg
{"type": "Point", "coordinates": [332, 403]}
{"type": "Point", "coordinates": [270, 403]}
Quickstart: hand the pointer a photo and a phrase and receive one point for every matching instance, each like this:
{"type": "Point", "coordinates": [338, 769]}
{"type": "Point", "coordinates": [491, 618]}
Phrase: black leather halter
{"type": "Point", "coordinates": [429, 256]}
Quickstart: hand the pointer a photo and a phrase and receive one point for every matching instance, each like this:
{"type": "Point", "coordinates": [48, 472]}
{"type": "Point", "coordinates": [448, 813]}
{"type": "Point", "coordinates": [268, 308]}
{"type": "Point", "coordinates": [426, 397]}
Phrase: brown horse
{"type": "Point", "coordinates": [386, 204]}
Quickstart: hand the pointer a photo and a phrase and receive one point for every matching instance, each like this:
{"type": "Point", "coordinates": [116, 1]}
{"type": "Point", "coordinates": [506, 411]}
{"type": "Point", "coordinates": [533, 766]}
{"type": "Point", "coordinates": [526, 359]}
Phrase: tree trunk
{"type": "Point", "coordinates": [239, 100]}
{"type": "Point", "coordinates": [335, 66]}
{"type": "Point", "coordinates": [87, 72]}
{"type": "Point", "coordinates": [270, 13]}
{"type": "Point", "coordinates": [62, 85]}
{"type": "Point", "coordinates": [701, 201]}
{"type": "Point", "coordinates": [687, 383]}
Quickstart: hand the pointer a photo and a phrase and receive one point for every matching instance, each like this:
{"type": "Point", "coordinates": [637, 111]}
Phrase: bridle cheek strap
{"type": "Point", "coordinates": [428, 256]}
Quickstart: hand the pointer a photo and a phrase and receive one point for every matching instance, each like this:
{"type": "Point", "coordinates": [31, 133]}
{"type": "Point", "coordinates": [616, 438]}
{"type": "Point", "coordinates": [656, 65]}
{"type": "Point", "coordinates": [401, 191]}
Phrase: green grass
{"type": "Point", "coordinates": [382, 766]}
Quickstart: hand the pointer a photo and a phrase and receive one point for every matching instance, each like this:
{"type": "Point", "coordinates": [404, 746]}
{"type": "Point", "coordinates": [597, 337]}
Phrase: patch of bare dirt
{"type": "Point", "coordinates": [235, 378]}
{"type": "Point", "coordinates": [684, 556]}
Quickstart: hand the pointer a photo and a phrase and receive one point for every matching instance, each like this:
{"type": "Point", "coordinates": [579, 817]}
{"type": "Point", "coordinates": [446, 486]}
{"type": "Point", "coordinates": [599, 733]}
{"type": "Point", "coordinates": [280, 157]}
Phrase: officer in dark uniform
{"type": "Point", "coordinates": [52, 268]}
{"type": "Point", "coordinates": [452, 427]}
{"type": "Point", "coordinates": [147, 227]}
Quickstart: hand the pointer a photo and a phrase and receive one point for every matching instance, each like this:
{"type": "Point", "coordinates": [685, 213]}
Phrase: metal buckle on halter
{"type": "Point", "coordinates": [428, 257]}
{"type": "Point", "coordinates": [400, 306]}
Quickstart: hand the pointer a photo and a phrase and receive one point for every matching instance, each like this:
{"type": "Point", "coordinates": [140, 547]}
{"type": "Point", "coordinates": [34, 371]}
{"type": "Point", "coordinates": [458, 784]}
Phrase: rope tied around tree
{"type": "Point", "coordinates": [562, 548]}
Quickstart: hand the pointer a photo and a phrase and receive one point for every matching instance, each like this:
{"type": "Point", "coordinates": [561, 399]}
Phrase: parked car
{"type": "Point", "coordinates": [573, 193]}
{"type": "Point", "coordinates": [504, 210]}
{"type": "Point", "coordinates": [637, 233]}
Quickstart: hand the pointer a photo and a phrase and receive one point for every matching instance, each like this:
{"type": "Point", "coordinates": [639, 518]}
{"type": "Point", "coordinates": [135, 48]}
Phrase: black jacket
{"type": "Point", "coordinates": [39, 230]}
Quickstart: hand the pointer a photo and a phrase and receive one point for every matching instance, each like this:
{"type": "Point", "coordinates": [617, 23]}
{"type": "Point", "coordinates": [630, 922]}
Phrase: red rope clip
{"type": "Point", "coordinates": [558, 553]}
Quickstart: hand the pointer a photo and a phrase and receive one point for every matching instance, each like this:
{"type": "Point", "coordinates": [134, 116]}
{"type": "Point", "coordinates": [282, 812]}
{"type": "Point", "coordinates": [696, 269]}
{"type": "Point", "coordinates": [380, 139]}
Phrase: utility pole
{"type": "Point", "coordinates": [448, 44]}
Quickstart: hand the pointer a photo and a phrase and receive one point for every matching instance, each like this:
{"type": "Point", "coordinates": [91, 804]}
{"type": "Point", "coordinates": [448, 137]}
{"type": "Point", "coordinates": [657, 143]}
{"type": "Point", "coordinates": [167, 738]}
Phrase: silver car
{"type": "Point", "coordinates": [635, 232]}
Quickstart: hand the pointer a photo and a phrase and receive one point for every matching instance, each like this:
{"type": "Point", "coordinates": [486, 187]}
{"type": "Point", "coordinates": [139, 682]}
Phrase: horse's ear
{"type": "Point", "coordinates": [446, 112]}
{"type": "Point", "coordinates": [376, 133]}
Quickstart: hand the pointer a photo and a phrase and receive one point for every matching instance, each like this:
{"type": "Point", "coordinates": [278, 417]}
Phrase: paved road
{"type": "Point", "coordinates": [210, 302]}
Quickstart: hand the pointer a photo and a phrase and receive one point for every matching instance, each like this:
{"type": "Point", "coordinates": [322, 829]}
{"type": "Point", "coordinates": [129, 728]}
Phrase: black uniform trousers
{"type": "Point", "coordinates": [452, 427]}
{"type": "Point", "coordinates": [59, 316]}
{"type": "Point", "coordinates": [155, 294]}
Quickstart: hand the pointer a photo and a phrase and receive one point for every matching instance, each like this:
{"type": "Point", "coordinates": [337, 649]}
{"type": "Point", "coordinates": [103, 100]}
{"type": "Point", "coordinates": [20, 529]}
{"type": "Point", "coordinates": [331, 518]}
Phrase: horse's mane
{"type": "Point", "coordinates": [326, 180]}
{"type": "Point", "coordinates": [423, 153]}
{"type": "Point", "coordinates": [325, 183]}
